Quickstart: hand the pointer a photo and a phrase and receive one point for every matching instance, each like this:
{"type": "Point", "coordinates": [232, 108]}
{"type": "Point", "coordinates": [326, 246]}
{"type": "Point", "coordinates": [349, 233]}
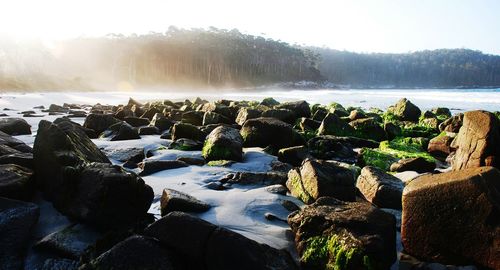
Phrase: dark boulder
{"type": "Point", "coordinates": [210, 247]}
{"type": "Point", "coordinates": [186, 145]}
{"type": "Point", "coordinates": [300, 108]}
{"type": "Point", "coordinates": [153, 166]}
{"type": "Point", "coordinates": [308, 124]}
{"type": "Point", "coordinates": [210, 118]}
{"type": "Point", "coordinates": [193, 117]}
{"type": "Point", "coordinates": [150, 113]}
{"type": "Point", "coordinates": [380, 188]}
{"type": "Point", "coordinates": [17, 220]}
{"type": "Point", "coordinates": [368, 128]}
{"type": "Point", "coordinates": [331, 234]}
{"type": "Point", "coordinates": [149, 131]}
{"type": "Point", "coordinates": [121, 132]}
{"type": "Point", "coordinates": [99, 122]}
{"type": "Point", "coordinates": [188, 131]}
{"type": "Point", "coordinates": [453, 218]}
{"type": "Point", "coordinates": [262, 132]}
{"type": "Point", "coordinates": [333, 125]}
{"type": "Point", "coordinates": [223, 143]}
{"type": "Point", "coordinates": [440, 147]}
{"type": "Point", "coordinates": [137, 121]}
{"type": "Point", "coordinates": [293, 155]}
{"type": "Point", "coordinates": [319, 178]}
{"type": "Point", "coordinates": [161, 122]}
{"type": "Point", "coordinates": [285, 115]}
{"type": "Point", "coordinates": [16, 182]}
{"type": "Point", "coordinates": [21, 159]}
{"type": "Point", "coordinates": [173, 200]}
{"type": "Point", "coordinates": [418, 164]}
{"type": "Point", "coordinates": [15, 126]}
{"type": "Point", "coordinates": [245, 114]}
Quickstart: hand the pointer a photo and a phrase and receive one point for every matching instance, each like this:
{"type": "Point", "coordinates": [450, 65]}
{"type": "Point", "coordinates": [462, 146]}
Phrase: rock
{"type": "Point", "coordinates": [452, 124]}
{"type": "Point", "coordinates": [432, 122]}
{"type": "Point", "coordinates": [380, 188]}
{"type": "Point", "coordinates": [137, 121]}
{"type": "Point", "coordinates": [392, 130]}
{"type": "Point", "coordinates": [331, 147]}
{"type": "Point", "coordinates": [331, 234]}
{"type": "Point", "coordinates": [285, 115]}
{"type": "Point", "coordinates": [356, 114]}
{"type": "Point", "coordinates": [135, 252]}
{"type": "Point", "coordinates": [173, 200]}
{"type": "Point", "coordinates": [7, 150]}
{"type": "Point", "coordinates": [452, 217]}
{"type": "Point", "coordinates": [192, 161]}
{"type": "Point", "coordinates": [186, 145]}
{"type": "Point", "coordinates": [150, 113]}
{"type": "Point", "coordinates": [161, 122]}
{"type": "Point", "coordinates": [70, 242]}
{"type": "Point", "coordinates": [440, 147]}
{"type": "Point", "coordinates": [59, 264]}
{"type": "Point", "coordinates": [99, 122]}
{"type": "Point", "coordinates": [123, 112]}
{"type": "Point", "coordinates": [16, 182]}
{"type": "Point", "coordinates": [369, 128]}
{"type": "Point", "coordinates": [21, 159]}
{"type": "Point", "coordinates": [6, 139]}
{"type": "Point", "coordinates": [441, 111]}
{"type": "Point", "coordinates": [319, 178]}
{"type": "Point", "coordinates": [300, 108]}
{"type": "Point", "coordinates": [194, 118]}
{"type": "Point", "coordinates": [333, 125]}
{"type": "Point", "coordinates": [418, 164]}
{"type": "Point", "coordinates": [80, 181]}
{"type": "Point", "coordinates": [290, 206]}
{"type": "Point", "coordinates": [293, 155]}
{"type": "Point", "coordinates": [57, 108]}
{"type": "Point", "coordinates": [188, 131]}
{"type": "Point", "coordinates": [277, 189]}
{"type": "Point", "coordinates": [207, 246]}
{"type": "Point", "coordinates": [153, 166]}
{"type": "Point", "coordinates": [262, 132]}
{"type": "Point", "coordinates": [251, 178]}
{"type": "Point", "coordinates": [121, 132]}
{"type": "Point", "coordinates": [405, 110]}
{"type": "Point", "coordinates": [309, 124]}
{"type": "Point", "coordinates": [245, 114]}
{"type": "Point", "coordinates": [215, 118]}
{"type": "Point", "coordinates": [15, 126]}
{"type": "Point", "coordinates": [223, 143]}
{"type": "Point", "coordinates": [269, 102]}
{"type": "Point", "coordinates": [149, 131]}
{"type": "Point", "coordinates": [17, 220]}
{"type": "Point", "coordinates": [478, 141]}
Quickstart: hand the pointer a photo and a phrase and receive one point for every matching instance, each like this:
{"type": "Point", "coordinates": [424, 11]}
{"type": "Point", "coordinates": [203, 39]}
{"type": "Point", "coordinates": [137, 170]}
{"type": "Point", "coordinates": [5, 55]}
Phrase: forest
{"type": "Point", "coordinates": [228, 58]}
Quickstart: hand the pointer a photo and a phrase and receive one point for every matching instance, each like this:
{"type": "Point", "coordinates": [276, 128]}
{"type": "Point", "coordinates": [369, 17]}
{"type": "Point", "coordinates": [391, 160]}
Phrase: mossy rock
{"type": "Point", "coordinates": [377, 158]}
{"type": "Point", "coordinates": [220, 163]}
{"type": "Point", "coordinates": [405, 148]}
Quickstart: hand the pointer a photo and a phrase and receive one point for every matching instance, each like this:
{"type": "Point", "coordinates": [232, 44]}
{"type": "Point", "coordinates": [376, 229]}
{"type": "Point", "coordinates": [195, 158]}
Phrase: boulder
{"type": "Point", "coordinates": [300, 108]}
{"type": "Point", "coordinates": [161, 122]}
{"type": "Point", "coordinates": [440, 147]}
{"type": "Point", "coordinates": [223, 143]}
{"type": "Point", "coordinates": [80, 181]}
{"type": "Point", "coordinates": [206, 246]}
{"type": "Point", "coordinates": [8, 140]}
{"type": "Point", "coordinates": [99, 122]}
{"type": "Point", "coordinates": [478, 141]}
{"type": "Point", "coordinates": [380, 188]}
{"type": "Point", "coordinates": [150, 113]}
{"type": "Point", "coordinates": [153, 166]}
{"type": "Point", "coordinates": [121, 131]}
{"type": "Point", "coordinates": [293, 155]}
{"type": "Point", "coordinates": [251, 178]}
{"type": "Point", "coordinates": [452, 124]}
{"type": "Point", "coordinates": [308, 124]}
{"type": "Point", "coordinates": [17, 220]}
{"type": "Point", "coordinates": [16, 182]}
{"type": "Point", "coordinates": [215, 118]}
{"type": "Point", "coordinates": [331, 234]}
{"type": "Point", "coordinates": [188, 131]}
{"type": "Point", "coordinates": [331, 147]}
{"type": "Point", "coordinates": [285, 115]}
{"type": "Point", "coordinates": [356, 114]}
{"type": "Point", "coordinates": [417, 164]}
{"type": "Point", "coordinates": [269, 102]}
{"type": "Point", "coordinates": [15, 126]}
{"type": "Point", "coordinates": [392, 130]}
{"type": "Point", "coordinates": [194, 118]}
{"type": "Point", "coordinates": [405, 110]}
{"type": "Point", "coordinates": [149, 130]}
{"type": "Point", "coordinates": [452, 217]}
{"type": "Point", "coordinates": [137, 121]}
{"type": "Point", "coordinates": [333, 125]}
{"type": "Point", "coordinates": [369, 128]}
{"type": "Point", "coordinates": [21, 159]}
{"type": "Point", "coordinates": [245, 114]}
{"type": "Point", "coordinates": [320, 178]}
{"type": "Point", "coordinates": [135, 252]}
{"type": "Point", "coordinates": [173, 200]}
{"type": "Point", "coordinates": [262, 132]}
{"type": "Point", "coordinates": [186, 145]}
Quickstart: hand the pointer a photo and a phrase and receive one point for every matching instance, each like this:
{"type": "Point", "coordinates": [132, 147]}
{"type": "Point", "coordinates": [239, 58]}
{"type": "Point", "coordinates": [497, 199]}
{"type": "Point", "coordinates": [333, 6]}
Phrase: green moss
{"type": "Point", "coordinates": [298, 190]}
{"type": "Point", "coordinates": [390, 117]}
{"type": "Point", "coordinates": [220, 163]}
{"type": "Point", "coordinates": [324, 252]}
{"type": "Point", "coordinates": [211, 151]}
{"type": "Point", "coordinates": [405, 148]}
{"type": "Point", "coordinates": [377, 158]}
{"type": "Point", "coordinates": [418, 131]}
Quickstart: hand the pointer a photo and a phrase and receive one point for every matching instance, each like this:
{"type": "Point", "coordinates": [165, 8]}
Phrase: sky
{"type": "Point", "coordinates": [395, 26]}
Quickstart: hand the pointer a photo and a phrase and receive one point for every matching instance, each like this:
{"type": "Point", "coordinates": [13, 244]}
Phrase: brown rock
{"type": "Point", "coordinates": [418, 164]}
{"type": "Point", "coordinates": [453, 217]}
{"type": "Point", "coordinates": [380, 188]}
{"type": "Point", "coordinates": [478, 141]}
{"type": "Point", "coordinates": [439, 147]}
